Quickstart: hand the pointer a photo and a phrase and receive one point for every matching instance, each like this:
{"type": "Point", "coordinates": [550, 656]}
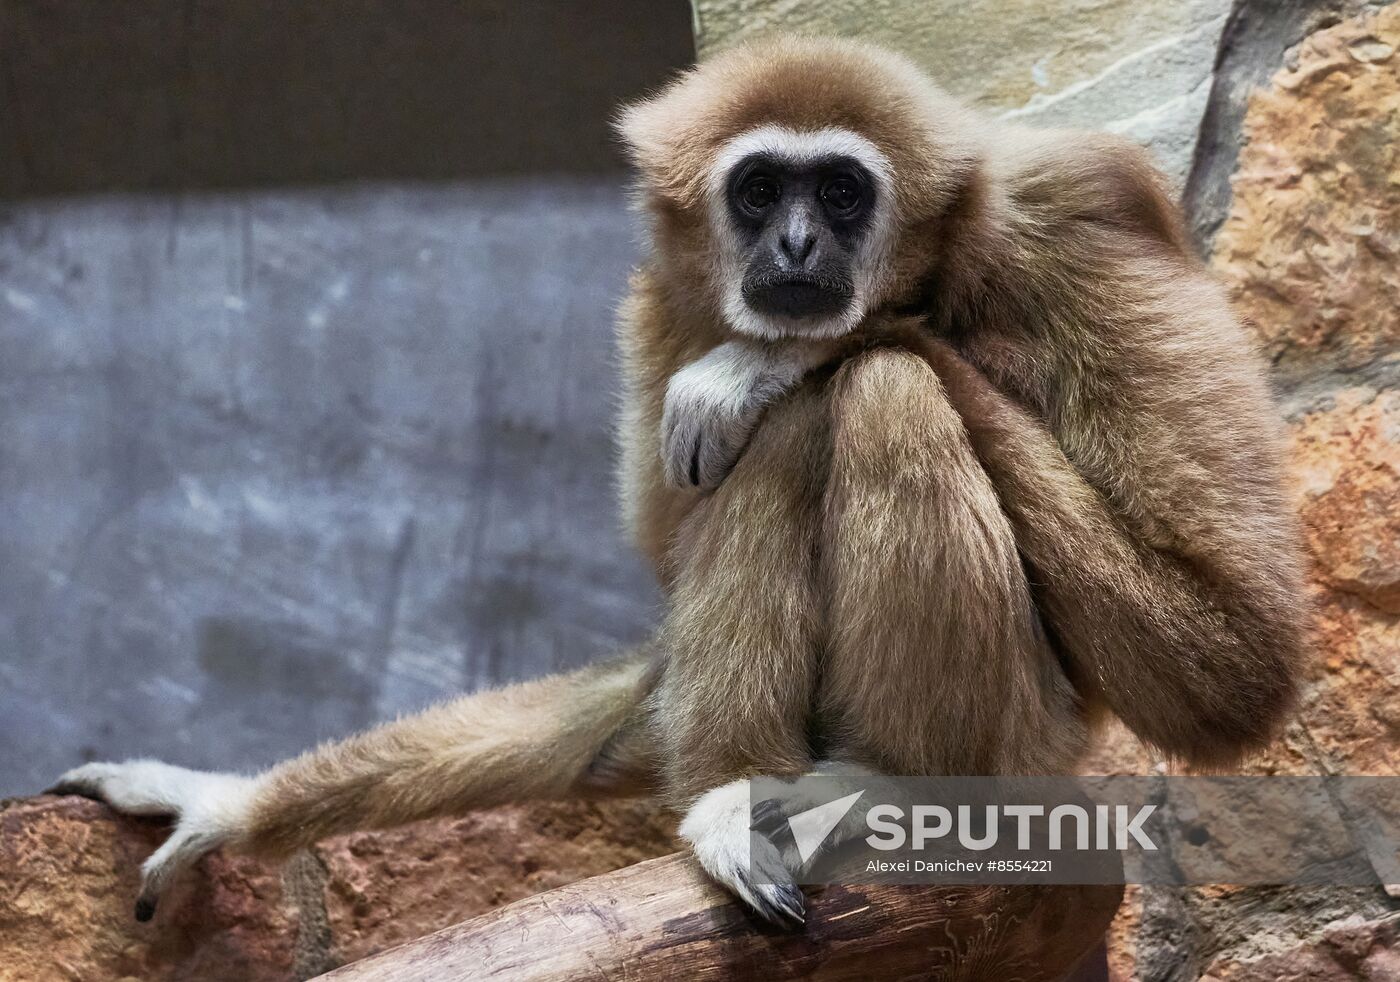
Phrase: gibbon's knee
{"type": "Point", "coordinates": [936, 661]}
{"type": "Point", "coordinates": [885, 398]}
{"type": "Point", "coordinates": [895, 434]}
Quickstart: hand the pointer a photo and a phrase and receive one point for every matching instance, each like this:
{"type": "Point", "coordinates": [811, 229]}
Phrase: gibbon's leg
{"type": "Point", "coordinates": [554, 737]}
{"type": "Point", "coordinates": [1194, 650]}
{"type": "Point", "coordinates": [936, 661]}
{"type": "Point", "coordinates": [735, 695]}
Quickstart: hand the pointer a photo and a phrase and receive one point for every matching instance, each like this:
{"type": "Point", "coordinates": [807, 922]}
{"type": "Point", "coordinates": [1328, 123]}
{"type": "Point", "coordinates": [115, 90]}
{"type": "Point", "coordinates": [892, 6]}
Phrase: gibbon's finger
{"type": "Point", "coordinates": [769, 817]}
{"type": "Point", "coordinates": [783, 906]}
{"type": "Point", "coordinates": [680, 448]}
{"type": "Point", "coordinates": [135, 787]}
{"type": "Point", "coordinates": [776, 896]}
{"type": "Point", "coordinates": [695, 459]}
{"type": "Point", "coordinates": [717, 454]}
{"type": "Point", "coordinates": [76, 788]}
{"type": "Point", "coordinates": [754, 872]}
{"type": "Point", "coordinates": [186, 845]}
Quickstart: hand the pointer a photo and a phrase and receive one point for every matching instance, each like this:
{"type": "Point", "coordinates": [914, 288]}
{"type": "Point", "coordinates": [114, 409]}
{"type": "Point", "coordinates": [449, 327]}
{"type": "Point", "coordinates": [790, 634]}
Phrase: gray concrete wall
{"type": "Point", "coordinates": [306, 368]}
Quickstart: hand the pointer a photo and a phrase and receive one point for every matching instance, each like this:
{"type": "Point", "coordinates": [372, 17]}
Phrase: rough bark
{"type": "Point", "coordinates": [661, 919]}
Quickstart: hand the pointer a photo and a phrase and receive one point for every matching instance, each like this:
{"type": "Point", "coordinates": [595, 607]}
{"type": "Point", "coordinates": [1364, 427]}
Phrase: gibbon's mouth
{"type": "Point", "coordinates": [797, 297]}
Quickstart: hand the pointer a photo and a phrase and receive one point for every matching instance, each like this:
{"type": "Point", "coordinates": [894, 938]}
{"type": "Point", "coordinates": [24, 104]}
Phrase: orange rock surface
{"type": "Point", "coordinates": [1311, 253]}
{"type": "Point", "coordinates": [69, 868]}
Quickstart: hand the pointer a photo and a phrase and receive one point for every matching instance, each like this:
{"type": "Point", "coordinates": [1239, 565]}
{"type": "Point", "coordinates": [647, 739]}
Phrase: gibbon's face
{"type": "Point", "coordinates": [802, 221]}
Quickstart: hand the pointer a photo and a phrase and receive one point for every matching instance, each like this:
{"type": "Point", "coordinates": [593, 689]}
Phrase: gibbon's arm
{"type": "Point", "coordinates": [1120, 411]}
{"type": "Point", "coordinates": [554, 737]}
{"type": "Point", "coordinates": [734, 697]}
{"type": "Point", "coordinates": [1193, 647]}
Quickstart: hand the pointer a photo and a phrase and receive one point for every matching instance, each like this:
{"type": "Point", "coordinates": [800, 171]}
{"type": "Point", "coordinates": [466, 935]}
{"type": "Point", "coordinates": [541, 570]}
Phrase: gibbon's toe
{"type": "Point", "coordinates": [783, 906]}
{"type": "Point", "coordinates": [93, 781]}
{"type": "Point", "coordinates": [749, 866]}
{"type": "Point", "coordinates": [770, 817]}
{"type": "Point", "coordinates": [769, 887]}
{"type": "Point", "coordinates": [135, 787]}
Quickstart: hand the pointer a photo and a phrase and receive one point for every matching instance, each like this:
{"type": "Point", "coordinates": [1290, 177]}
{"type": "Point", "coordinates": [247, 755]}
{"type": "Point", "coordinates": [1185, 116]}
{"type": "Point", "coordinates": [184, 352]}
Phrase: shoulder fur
{"type": "Point", "coordinates": [1077, 176]}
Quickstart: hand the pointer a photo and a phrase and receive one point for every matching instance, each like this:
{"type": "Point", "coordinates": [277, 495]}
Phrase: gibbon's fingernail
{"type": "Point", "coordinates": [145, 909]}
{"type": "Point", "coordinates": [785, 908]}
{"type": "Point", "coordinates": [791, 902]}
{"type": "Point", "coordinates": [75, 790]}
{"type": "Point", "coordinates": [767, 815]}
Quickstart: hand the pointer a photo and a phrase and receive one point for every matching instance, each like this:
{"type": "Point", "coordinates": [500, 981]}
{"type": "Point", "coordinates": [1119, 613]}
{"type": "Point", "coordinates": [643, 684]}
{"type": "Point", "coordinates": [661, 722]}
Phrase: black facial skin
{"type": "Point", "coordinates": [800, 228]}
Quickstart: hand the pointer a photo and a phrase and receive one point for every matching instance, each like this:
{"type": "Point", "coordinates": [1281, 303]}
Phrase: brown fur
{"type": "Point", "coordinates": [523, 742]}
{"type": "Point", "coordinates": [1100, 407]}
{"type": "Point", "coordinates": [1053, 490]}
{"type": "Point", "coordinates": [745, 620]}
{"type": "Point", "coordinates": [936, 662]}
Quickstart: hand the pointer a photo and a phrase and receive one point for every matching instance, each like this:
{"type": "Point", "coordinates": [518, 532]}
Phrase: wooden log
{"type": "Point", "coordinates": [662, 919]}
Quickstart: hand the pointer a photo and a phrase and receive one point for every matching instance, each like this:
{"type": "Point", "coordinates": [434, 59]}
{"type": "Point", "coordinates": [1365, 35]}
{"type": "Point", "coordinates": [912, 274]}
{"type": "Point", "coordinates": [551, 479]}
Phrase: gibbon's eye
{"type": "Point", "coordinates": [760, 191]}
{"type": "Point", "coordinates": [841, 194]}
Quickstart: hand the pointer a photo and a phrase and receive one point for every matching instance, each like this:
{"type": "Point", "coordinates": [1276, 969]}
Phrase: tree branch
{"type": "Point", "coordinates": [662, 919]}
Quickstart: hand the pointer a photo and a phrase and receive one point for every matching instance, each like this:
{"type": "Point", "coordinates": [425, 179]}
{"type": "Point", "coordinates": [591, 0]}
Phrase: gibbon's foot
{"type": "Point", "coordinates": [208, 810]}
{"type": "Point", "coordinates": [717, 829]}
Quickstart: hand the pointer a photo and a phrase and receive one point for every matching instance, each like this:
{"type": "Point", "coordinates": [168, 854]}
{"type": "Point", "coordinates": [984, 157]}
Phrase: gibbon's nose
{"type": "Point", "coordinates": [798, 238]}
{"type": "Point", "coordinates": [797, 246]}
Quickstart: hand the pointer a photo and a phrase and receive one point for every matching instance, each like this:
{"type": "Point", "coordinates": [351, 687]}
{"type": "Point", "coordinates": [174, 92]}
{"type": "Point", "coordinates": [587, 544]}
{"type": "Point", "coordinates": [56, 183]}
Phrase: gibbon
{"type": "Point", "coordinates": [943, 445]}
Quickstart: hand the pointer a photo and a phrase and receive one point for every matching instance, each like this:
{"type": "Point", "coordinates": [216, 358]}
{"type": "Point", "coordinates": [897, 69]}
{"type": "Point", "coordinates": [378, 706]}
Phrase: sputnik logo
{"type": "Point", "coordinates": [810, 828]}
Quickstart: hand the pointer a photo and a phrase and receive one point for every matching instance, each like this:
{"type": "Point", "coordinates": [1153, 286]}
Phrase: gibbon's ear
{"type": "Point", "coordinates": [665, 135]}
{"type": "Point", "coordinates": [643, 137]}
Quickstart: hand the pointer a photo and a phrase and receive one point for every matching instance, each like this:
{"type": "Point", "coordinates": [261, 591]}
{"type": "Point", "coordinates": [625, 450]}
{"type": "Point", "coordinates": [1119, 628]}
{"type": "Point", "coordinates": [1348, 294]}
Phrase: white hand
{"type": "Point", "coordinates": [713, 405]}
{"type": "Point", "coordinates": [748, 865]}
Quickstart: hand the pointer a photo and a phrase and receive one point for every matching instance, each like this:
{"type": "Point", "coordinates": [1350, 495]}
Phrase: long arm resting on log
{"type": "Point", "coordinates": [574, 734]}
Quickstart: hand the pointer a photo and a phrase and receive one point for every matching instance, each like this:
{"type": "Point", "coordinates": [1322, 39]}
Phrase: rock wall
{"type": "Point", "coordinates": [1138, 68]}
{"type": "Point", "coordinates": [1309, 249]}
{"type": "Point", "coordinates": [69, 867]}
